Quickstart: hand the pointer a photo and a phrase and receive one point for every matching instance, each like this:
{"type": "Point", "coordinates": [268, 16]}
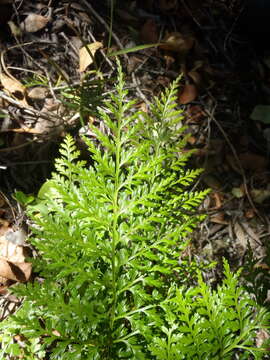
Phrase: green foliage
{"type": "Point", "coordinates": [109, 238]}
{"type": "Point", "coordinates": [202, 324]}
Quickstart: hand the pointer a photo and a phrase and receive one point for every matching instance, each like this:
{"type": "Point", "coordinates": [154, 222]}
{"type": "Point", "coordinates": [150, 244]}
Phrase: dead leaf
{"type": "Point", "coordinates": [192, 140]}
{"type": "Point", "coordinates": [84, 56]}
{"type": "Point", "coordinates": [254, 162]}
{"type": "Point", "coordinates": [218, 198]}
{"type": "Point", "coordinates": [15, 271]}
{"type": "Point", "coordinates": [219, 218]}
{"type": "Point", "coordinates": [4, 226]}
{"type": "Point", "coordinates": [15, 30]}
{"type": "Point", "coordinates": [14, 87]}
{"type": "Point", "coordinates": [34, 23]}
{"type": "Point", "coordinates": [261, 337]}
{"type": "Point", "coordinates": [16, 237]}
{"type": "Point", "coordinates": [3, 290]}
{"type": "Point", "coordinates": [250, 213]}
{"type": "Point", "coordinates": [149, 32]}
{"type": "Point", "coordinates": [38, 93]}
{"type": "Point", "coordinates": [238, 192]}
{"type": "Point", "coordinates": [262, 266]}
{"type": "Point", "coordinates": [169, 60]}
{"type": "Point", "coordinates": [249, 161]}
{"type": "Point", "coordinates": [195, 113]}
{"type": "Point", "coordinates": [253, 236]}
{"type": "Point", "coordinates": [241, 237]}
{"type": "Point", "coordinates": [11, 245]}
{"type": "Point", "coordinates": [178, 43]}
{"type": "Point", "coordinates": [188, 94]}
{"type": "Point", "coordinates": [260, 195]}
{"type": "Point", "coordinates": [56, 333]}
{"type": "Point", "coordinates": [195, 77]}
{"type": "Point", "coordinates": [53, 125]}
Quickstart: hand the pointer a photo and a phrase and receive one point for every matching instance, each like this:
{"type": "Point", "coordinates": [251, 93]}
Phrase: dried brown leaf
{"type": "Point", "coordinates": [84, 56]}
{"type": "Point", "coordinates": [149, 31]}
{"type": "Point", "coordinates": [219, 218]}
{"type": "Point", "coordinates": [262, 336]}
{"type": "Point", "coordinates": [34, 23]}
{"type": "Point", "coordinates": [241, 236]}
{"type": "Point", "coordinates": [11, 85]}
{"type": "Point", "coordinates": [15, 88]}
{"type": "Point", "coordinates": [15, 271]}
{"type": "Point", "coordinates": [178, 43]}
{"type": "Point", "coordinates": [188, 94]}
{"type": "Point", "coordinates": [254, 162]}
{"type": "Point", "coordinates": [38, 93]}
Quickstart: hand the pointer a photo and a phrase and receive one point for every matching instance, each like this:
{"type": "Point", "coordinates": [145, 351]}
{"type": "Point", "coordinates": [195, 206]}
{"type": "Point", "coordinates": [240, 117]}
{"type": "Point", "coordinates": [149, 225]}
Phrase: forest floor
{"type": "Point", "coordinates": [47, 76]}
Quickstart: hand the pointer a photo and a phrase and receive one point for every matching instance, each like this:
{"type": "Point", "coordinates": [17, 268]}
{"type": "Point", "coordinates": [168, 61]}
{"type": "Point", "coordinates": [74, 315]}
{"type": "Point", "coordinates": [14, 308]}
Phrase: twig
{"type": "Point", "coordinates": [11, 148]}
{"type": "Point", "coordinates": [136, 85]}
{"type": "Point", "coordinates": [30, 110]}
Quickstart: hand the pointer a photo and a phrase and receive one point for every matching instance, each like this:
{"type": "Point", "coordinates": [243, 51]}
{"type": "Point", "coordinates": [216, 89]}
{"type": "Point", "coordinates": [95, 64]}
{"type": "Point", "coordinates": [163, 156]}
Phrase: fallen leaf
{"type": "Point", "coordinates": [195, 77]}
{"type": "Point", "coordinates": [38, 93]}
{"type": "Point", "coordinates": [218, 200]}
{"type": "Point", "coordinates": [188, 94]}
{"type": "Point", "coordinates": [253, 236]}
{"type": "Point", "coordinates": [261, 337]}
{"type": "Point", "coordinates": [50, 125]}
{"type": "Point", "coordinates": [261, 266]}
{"type": "Point", "coordinates": [15, 30]}
{"type": "Point", "coordinates": [195, 113]}
{"type": "Point", "coordinates": [3, 290]}
{"type": "Point", "coordinates": [219, 218]}
{"type": "Point", "coordinates": [250, 213]}
{"type": "Point", "coordinates": [12, 86]}
{"type": "Point", "coordinates": [11, 245]}
{"type": "Point", "coordinates": [15, 88]}
{"type": "Point", "coordinates": [238, 192]}
{"type": "Point", "coordinates": [260, 195]}
{"type": "Point", "coordinates": [84, 54]}
{"type": "Point", "coordinates": [56, 333]}
{"type": "Point", "coordinates": [149, 32]}
{"type": "Point", "coordinates": [34, 23]}
{"type": "Point", "coordinates": [178, 43]}
{"type": "Point", "coordinates": [15, 271]}
{"type": "Point", "coordinates": [249, 161]}
{"type": "Point", "coordinates": [16, 237]}
{"type": "Point", "coordinates": [241, 237]}
{"type": "Point", "coordinates": [4, 226]}
{"type": "Point", "coordinates": [254, 162]}
{"type": "Point", "coordinates": [192, 140]}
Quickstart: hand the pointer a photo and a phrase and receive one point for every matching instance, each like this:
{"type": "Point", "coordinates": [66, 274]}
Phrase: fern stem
{"type": "Point", "coordinates": [115, 233]}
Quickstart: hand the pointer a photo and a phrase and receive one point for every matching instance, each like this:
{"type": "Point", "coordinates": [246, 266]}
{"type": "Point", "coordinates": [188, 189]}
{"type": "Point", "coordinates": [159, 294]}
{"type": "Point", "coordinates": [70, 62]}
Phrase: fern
{"type": "Point", "coordinates": [209, 325]}
{"type": "Point", "coordinates": [109, 238]}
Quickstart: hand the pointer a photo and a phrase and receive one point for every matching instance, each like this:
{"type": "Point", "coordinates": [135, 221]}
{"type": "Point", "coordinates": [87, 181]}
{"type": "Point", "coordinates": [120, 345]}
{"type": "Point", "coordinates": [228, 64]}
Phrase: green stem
{"type": "Point", "coordinates": [115, 233]}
